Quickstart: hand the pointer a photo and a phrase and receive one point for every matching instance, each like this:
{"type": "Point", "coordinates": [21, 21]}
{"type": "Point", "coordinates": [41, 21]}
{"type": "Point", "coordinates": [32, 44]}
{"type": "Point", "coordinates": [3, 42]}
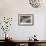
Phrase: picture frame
{"type": "Point", "coordinates": [25, 19]}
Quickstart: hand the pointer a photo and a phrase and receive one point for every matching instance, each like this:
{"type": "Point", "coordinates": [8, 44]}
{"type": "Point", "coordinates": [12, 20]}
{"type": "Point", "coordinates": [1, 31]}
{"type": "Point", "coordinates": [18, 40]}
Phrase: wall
{"type": "Point", "coordinates": [11, 8]}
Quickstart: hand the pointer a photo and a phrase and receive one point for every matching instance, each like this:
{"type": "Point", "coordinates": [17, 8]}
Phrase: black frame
{"type": "Point", "coordinates": [26, 24]}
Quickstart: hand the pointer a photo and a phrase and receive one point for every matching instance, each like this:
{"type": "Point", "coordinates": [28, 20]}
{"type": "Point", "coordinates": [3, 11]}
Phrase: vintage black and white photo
{"type": "Point", "coordinates": [25, 19]}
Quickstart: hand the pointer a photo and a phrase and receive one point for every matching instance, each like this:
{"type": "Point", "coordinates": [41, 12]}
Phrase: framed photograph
{"type": "Point", "coordinates": [26, 19]}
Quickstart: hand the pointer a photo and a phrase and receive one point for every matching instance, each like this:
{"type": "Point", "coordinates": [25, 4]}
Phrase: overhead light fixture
{"type": "Point", "coordinates": [36, 3]}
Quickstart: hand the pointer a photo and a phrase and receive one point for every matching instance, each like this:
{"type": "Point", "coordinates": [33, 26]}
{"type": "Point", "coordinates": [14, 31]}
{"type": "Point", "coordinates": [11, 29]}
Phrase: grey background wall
{"type": "Point", "coordinates": [11, 8]}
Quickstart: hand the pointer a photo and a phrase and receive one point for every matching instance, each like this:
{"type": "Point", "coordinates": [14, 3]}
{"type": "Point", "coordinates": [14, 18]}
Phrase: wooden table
{"type": "Point", "coordinates": [27, 42]}
{"type": "Point", "coordinates": [30, 43]}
